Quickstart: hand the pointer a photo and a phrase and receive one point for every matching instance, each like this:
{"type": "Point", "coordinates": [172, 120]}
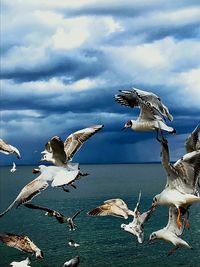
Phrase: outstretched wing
{"type": "Point", "coordinates": [74, 141]}
{"type": "Point", "coordinates": [76, 214]}
{"type": "Point", "coordinates": [33, 206]}
{"type": "Point", "coordinates": [188, 168]}
{"type": "Point", "coordinates": [172, 222]}
{"type": "Point", "coordinates": [138, 203]}
{"type": "Point", "coordinates": [132, 98]}
{"type": "Point", "coordinates": [31, 190]}
{"type": "Point", "coordinates": [192, 140]}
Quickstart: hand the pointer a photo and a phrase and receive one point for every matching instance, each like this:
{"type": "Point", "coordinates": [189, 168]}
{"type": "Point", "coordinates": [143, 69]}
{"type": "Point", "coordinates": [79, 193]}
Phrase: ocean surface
{"type": "Point", "coordinates": [102, 242]}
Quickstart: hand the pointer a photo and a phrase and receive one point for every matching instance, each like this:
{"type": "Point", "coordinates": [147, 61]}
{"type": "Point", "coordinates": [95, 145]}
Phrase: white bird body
{"type": "Point", "coordinates": [149, 125]}
{"type": "Point", "coordinates": [24, 263]}
{"type": "Point", "coordinates": [172, 197]}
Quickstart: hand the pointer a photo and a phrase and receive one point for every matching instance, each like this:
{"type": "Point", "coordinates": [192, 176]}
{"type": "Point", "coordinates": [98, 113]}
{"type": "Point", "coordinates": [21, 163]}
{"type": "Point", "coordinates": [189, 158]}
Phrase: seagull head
{"type": "Point", "coordinates": [40, 169]}
{"type": "Point", "coordinates": [39, 254]}
{"type": "Point", "coordinates": [129, 124]}
{"type": "Point", "coordinates": [155, 201]}
{"type": "Point", "coordinates": [153, 236]}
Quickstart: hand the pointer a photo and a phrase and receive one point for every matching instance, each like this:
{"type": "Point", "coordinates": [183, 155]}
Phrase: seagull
{"type": "Point", "coordinates": [72, 243]}
{"type": "Point", "coordinates": [59, 152]}
{"type": "Point", "coordinates": [59, 217]}
{"type": "Point", "coordinates": [58, 176]}
{"type": "Point", "coordinates": [171, 232]}
{"type": "Point", "coordinates": [114, 207]}
{"type": "Point", "coordinates": [23, 243]}
{"type": "Point", "coordinates": [152, 111]}
{"type": "Point", "coordinates": [72, 263]}
{"type": "Point", "coordinates": [136, 227]}
{"type": "Point", "coordinates": [182, 177]}
{"type": "Point", "coordinates": [24, 263]}
{"type": "Point", "coordinates": [192, 143]}
{"type": "Point", "coordinates": [7, 149]}
{"type": "Point", "coordinates": [13, 168]}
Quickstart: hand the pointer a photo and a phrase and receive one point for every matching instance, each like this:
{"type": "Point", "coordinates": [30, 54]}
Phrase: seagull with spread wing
{"type": "Point", "coordinates": [13, 169]}
{"type": "Point", "coordinates": [181, 187]}
{"type": "Point", "coordinates": [21, 242]}
{"type": "Point", "coordinates": [58, 176]}
{"type": "Point", "coordinates": [171, 233]}
{"type": "Point", "coordinates": [152, 111]}
{"type": "Point", "coordinates": [136, 227]}
{"type": "Point", "coordinates": [59, 152]}
{"type": "Point", "coordinates": [114, 207]}
{"type": "Point", "coordinates": [59, 217]}
{"type": "Point", "coordinates": [7, 149]}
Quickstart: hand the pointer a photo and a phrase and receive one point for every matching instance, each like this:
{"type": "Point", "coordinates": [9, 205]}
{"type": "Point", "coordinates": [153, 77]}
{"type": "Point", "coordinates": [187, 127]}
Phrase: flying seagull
{"type": "Point", "coordinates": [24, 263]}
{"type": "Point", "coordinates": [13, 169]}
{"type": "Point", "coordinates": [59, 217]}
{"type": "Point", "coordinates": [181, 186]}
{"type": "Point", "coordinates": [171, 233]}
{"type": "Point", "coordinates": [72, 243]}
{"type": "Point", "coordinates": [59, 152]}
{"type": "Point", "coordinates": [192, 143]}
{"type": "Point", "coordinates": [114, 207]}
{"type": "Point", "coordinates": [21, 242]}
{"type": "Point", "coordinates": [152, 111]}
{"type": "Point", "coordinates": [7, 149]}
{"type": "Point", "coordinates": [136, 227]}
{"type": "Point", "coordinates": [58, 176]}
{"type": "Point", "coordinates": [72, 263]}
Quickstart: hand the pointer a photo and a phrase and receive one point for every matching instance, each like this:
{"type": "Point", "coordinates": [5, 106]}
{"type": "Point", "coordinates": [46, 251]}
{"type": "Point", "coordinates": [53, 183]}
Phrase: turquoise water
{"type": "Point", "coordinates": [102, 242]}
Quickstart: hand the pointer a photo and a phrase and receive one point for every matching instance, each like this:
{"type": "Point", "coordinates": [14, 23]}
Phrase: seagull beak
{"type": "Point", "coordinates": [35, 171]}
{"type": "Point", "coordinates": [123, 128]}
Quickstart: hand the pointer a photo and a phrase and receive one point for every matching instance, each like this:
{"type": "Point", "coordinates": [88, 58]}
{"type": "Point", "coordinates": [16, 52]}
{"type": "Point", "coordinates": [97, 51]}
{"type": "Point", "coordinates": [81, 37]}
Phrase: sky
{"type": "Point", "coordinates": [63, 61]}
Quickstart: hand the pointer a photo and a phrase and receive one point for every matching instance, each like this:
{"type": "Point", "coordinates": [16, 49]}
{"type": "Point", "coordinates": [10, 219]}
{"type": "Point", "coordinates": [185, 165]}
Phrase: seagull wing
{"type": "Point", "coordinates": [145, 216]}
{"type": "Point", "coordinates": [127, 98]}
{"type": "Point", "coordinates": [60, 217]}
{"type": "Point", "coordinates": [172, 222]}
{"type": "Point", "coordinates": [31, 190]}
{"type": "Point", "coordinates": [8, 149]}
{"type": "Point", "coordinates": [192, 140]}
{"type": "Point", "coordinates": [57, 147]}
{"type": "Point", "coordinates": [138, 203]}
{"type": "Point", "coordinates": [171, 172]}
{"type": "Point", "coordinates": [154, 101]}
{"type": "Point", "coordinates": [33, 206]}
{"type": "Point", "coordinates": [76, 214]}
{"type": "Point", "coordinates": [102, 210]}
{"type": "Point", "coordinates": [188, 168]}
{"type": "Point", "coordinates": [19, 242]}
{"type": "Point", "coordinates": [75, 140]}
{"type": "Point", "coordinates": [118, 202]}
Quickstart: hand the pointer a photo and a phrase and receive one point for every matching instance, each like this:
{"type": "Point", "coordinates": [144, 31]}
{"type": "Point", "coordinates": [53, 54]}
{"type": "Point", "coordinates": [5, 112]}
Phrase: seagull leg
{"type": "Point", "coordinates": [73, 185]}
{"type": "Point", "coordinates": [65, 189]}
{"type": "Point", "coordinates": [157, 135]}
{"type": "Point", "coordinates": [172, 251]}
{"type": "Point", "coordinates": [187, 224]}
{"type": "Point", "coordinates": [178, 219]}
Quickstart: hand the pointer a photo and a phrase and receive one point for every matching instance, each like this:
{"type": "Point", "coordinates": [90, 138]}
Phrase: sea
{"type": "Point", "coordinates": [102, 242]}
